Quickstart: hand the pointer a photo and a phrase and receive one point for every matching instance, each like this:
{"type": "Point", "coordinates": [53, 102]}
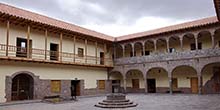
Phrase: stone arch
{"type": "Point", "coordinates": [9, 82]}
{"type": "Point", "coordinates": [119, 51]}
{"type": "Point", "coordinates": [161, 44]}
{"type": "Point", "coordinates": [204, 40]}
{"type": "Point", "coordinates": [182, 79]}
{"type": "Point", "coordinates": [188, 39]}
{"type": "Point", "coordinates": [138, 49]}
{"type": "Point", "coordinates": [211, 78]}
{"type": "Point", "coordinates": [174, 44]}
{"type": "Point", "coordinates": [217, 38]}
{"type": "Point", "coordinates": [128, 50]}
{"type": "Point", "coordinates": [149, 47]}
{"type": "Point", "coordinates": [157, 80]}
{"type": "Point", "coordinates": [134, 81]}
{"type": "Point", "coordinates": [117, 81]}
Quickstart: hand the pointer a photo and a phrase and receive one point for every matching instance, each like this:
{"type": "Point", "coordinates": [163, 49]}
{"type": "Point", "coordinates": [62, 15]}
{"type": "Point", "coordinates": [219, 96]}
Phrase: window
{"type": "Point", "coordinates": [80, 52]}
{"type": "Point", "coordinates": [171, 50]}
{"type": "Point", "coordinates": [193, 46]}
{"type": "Point", "coordinates": [55, 86]}
{"type": "Point", "coordinates": [101, 84]}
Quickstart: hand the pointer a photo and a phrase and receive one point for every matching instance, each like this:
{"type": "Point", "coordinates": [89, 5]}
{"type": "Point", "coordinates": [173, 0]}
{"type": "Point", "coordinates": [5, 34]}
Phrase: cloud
{"type": "Point", "coordinates": [119, 17]}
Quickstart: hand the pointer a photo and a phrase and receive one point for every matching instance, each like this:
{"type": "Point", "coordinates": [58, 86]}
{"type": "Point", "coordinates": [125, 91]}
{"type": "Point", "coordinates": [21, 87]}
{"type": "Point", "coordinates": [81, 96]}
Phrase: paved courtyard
{"type": "Point", "coordinates": [145, 102]}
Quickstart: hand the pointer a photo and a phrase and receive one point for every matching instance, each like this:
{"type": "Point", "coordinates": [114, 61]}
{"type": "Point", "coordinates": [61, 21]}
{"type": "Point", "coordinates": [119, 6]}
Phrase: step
{"type": "Point", "coordinates": [115, 101]}
{"type": "Point", "coordinates": [118, 103]}
{"type": "Point", "coordinates": [116, 106]}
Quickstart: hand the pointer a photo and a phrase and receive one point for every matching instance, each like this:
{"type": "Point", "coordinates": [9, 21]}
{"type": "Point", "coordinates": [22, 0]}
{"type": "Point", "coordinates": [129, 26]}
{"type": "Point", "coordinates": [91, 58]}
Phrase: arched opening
{"type": "Point", "coordinates": [211, 78]}
{"type": "Point", "coordinates": [149, 47]}
{"type": "Point", "coordinates": [157, 80]}
{"type": "Point", "coordinates": [119, 51]}
{"type": "Point", "coordinates": [217, 38]}
{"type": "Point", "coordinates": [116, 79]}
{"type": "Point", "coordinates": [22, 87]}
{"type": "Point", "coordinates": [204, 40]}
{"type": "Point", "coordinates": [189, 42]}
{"type": "Point", "coordinates": [174, 44]}
{"type": "Point", "coordinates": [138, 49]}
{"type": "Point", "coordinates": [184, 80]}
{"type": "Point", "coordinates": [128, 50]}
{"type": "Point", "coordinates": [161, 46]}
{"type": "Point", "coordinates": [134, 81]}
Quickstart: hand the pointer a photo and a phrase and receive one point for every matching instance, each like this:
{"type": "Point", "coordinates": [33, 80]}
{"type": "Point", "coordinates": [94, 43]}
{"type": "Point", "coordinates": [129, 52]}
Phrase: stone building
{"type": "Point", "coordinates": [42, 56]}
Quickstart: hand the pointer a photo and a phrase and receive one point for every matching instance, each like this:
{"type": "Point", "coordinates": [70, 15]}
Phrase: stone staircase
{"type": "Point", "coordinates": [116, 100]}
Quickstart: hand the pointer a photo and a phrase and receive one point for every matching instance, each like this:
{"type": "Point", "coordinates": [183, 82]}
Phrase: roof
{"type": "Point", "coordinates": [14, 11]}
{"type": "Point", "coordinates": [217, 8]}
{"type": "Point", "coordinates": [196, 23]}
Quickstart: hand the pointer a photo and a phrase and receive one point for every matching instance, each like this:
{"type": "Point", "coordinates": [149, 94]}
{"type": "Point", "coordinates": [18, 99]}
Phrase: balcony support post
{"type": "Point", "coordinates": [45, 57]}
{"type": "Point", "coordinates": [155, 46]}
{"type": "Point", "coordinates": [196, 42]}
{"type": "Point", "coordinates": [105, 51]}
{"type": "Point", "coordinates": [96, 50]}
{"type": "Point", "coordinates": [28, 42]}
{"type": "Point", "coordinates": [123, 50]}
{"type": "Point", "coordinates": [86, 50]}
{"type": "Point", "coordinates": [181, 43]}
{"type": "Point", "coordinates": [132, 47]}
{"type": "Point", "coordinates": [213, 41]}
{"type": "Point", "coordinates": [61, 46]}
{"type": "Point", "coordinates": [74, 49]}
{"type": "Point", "coordinates": [7, 37]}
{"type": "Point", "coordinates": [168, 45]}
{"type": "Point", "coordinates": [143, 44]}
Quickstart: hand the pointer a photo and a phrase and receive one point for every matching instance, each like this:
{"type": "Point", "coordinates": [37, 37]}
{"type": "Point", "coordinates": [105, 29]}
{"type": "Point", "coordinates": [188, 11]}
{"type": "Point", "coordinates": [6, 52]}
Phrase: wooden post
{"type": "Point", "coordinates": [28, 42]}
{"type": "Point", "coordinates": [155, 46]}
{"type": "Point", "coordinates": [45, 45]}
{"type": "Point", "coordinates": [181, 43]}
{"type": "Point", "coordinates": [105, 51]}
{"type": "Point", "coordinates": [61, 41]}
{"type": "Point", "coordinates": [7, 37]}
{"type": "Point", "coordinates": [96, 50]}
{"type": "Point", "coordinates": [85, 50]}
{"type": "Point", "coordinates": [143, 44]}
{"type": "Point", "coordinates": [74, 49]}
{"type": "Point", "coordinates": [196, 41]}
{"type": "Point", "coordinates": [168, 45]}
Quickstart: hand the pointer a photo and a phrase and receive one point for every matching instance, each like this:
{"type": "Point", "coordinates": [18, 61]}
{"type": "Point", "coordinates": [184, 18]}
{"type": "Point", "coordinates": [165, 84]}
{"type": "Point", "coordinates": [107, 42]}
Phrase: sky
{"type": "Point", "coordinates": [120, 17]}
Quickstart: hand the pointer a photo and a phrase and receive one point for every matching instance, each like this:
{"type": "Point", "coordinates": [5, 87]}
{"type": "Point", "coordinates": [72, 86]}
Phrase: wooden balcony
{"type": "Point", "coordinates": [11, 52]}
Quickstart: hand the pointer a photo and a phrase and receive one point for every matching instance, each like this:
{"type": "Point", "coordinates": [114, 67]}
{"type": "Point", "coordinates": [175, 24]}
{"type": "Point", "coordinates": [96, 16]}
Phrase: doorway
{"type": "Point", "coordinates": [135, 83]}
{"type": "Point", "coordinates": [194, 85]}
{"type": "Point", "coordinates": [21, 45]}
{"type": "Point", "coordinates": [54, 53]}
{"type": "Point", "coordinates": [22, 87]}
{"type": "Point", "coordinates": [102, 58]}
{"type": "Point", "coordinates": [151, 85]}
{"type": "Point", "coordinates": [116, 86]}
{"type": "Point", "coordinates": [75, 88]}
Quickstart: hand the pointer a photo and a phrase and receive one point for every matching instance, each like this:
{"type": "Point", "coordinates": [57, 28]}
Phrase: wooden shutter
{"type": "Point", "coordinates": [55, 86]}
{"type": "Point", "coordinates": [101, 84]}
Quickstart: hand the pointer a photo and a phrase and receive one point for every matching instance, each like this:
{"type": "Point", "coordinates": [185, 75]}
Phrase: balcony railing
{"type": "Point", "coordinates": [168, 56]}
{"type": "Point", "coordinates": [15, 52]}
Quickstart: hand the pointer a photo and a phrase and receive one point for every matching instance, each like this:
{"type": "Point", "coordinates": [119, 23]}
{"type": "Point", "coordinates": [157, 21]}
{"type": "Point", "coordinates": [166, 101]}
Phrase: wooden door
{"type": "Point", "coordinates": [194, 85]}
{"type": "Point", "coordinates": [174, 84]}
{"type": "Point", "coordinates": [78, 89]}
{"type": "Point", "coordinates": [135, 83]}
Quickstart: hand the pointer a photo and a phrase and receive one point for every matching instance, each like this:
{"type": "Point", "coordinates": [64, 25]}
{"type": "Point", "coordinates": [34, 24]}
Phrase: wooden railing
{"type": "Point", "coordinates": [53, 56]}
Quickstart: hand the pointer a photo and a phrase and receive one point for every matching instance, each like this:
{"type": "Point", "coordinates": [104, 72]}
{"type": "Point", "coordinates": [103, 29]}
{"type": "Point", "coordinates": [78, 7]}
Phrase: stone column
{"type": "Point", "coordinates": [155, 46]}
{"type": "Point", "coordinates": [61, 46]}
{"type": "Point", "coordinates": [45, 46]}
{"type": "Point", "coordinates": [196, 41]}
{"type": "Point", "coordinates": [28, 42]}
{"type": "Point", "coordinates": [123, 50]}
{"type": "Point", "coordinates": [145, 84]}
{"type": "Point", "coordinates": [168, 45]}
{"type": "Point", "coordinates": [7, 36]}
{"type": "Point", "coordinates": [125, 84]}
{"type": "Point", "coordinates": [181, 43]}
{"type": "Point", "coordinates": [132, 46]}
{"type": "Point", "coordinates": [143, 44]}
{"type": "Point", "coordinates": [170, 85]}
{"type": "Point", "coordinates": [213, 41]}
{"type": "Point", "coordinates": [200, 84]}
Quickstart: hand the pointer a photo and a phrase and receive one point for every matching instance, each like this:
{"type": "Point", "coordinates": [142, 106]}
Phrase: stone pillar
{"type": "Point", "coordinates": [155, 46]}
{"type": "Point", "coordinates": [143, 44]}
{"type": "Point", "coordinates": [7, 36]}
{"type": "Point", "coordinates": [181, 43]}
{"type": "Point", "coordinates": [145, 85]}
{"type": "Point", "coordinates": [123, 50]}
{"type": "Point", "coordinates": [125, 84]}
{"type": "Point", "coordinates": [170, 85]}
{"type": "Point", "coordinates": [213, 41]}
{"type": "Point", "coordinates": [132, 46]}
{"type": "Point", "coordinates": [61, 46]}
{"type": "Point", "coordinates": [168, 45]}
{"type": "Point", "coordinates": [28, 42]}
{"type": "Point", "coordinates": [45, 46]}
{"type": "Point", "coordinates": [200, 84]}
{"type": "Point", "coordinates": [196, 42]}
{"type": "Point", "coordinates": [114, 50]}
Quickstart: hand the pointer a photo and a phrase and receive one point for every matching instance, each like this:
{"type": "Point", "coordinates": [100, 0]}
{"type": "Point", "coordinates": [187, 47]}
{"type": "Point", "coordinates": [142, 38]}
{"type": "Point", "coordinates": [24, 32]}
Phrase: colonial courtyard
{"type": "Point", "coordinates": [145, 102]}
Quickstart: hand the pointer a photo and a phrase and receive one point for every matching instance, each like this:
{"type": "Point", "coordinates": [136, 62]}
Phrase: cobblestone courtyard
{"type": "Point", "coordinates": [145, 102]}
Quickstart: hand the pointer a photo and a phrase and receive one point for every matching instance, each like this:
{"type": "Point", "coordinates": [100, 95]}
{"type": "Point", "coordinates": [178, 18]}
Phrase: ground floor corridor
{"type": "Point", "coordinates": [145, 102]}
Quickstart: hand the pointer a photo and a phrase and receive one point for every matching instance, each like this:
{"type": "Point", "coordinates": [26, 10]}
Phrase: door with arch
{"type": "Point", "coordinates": [22, 87]}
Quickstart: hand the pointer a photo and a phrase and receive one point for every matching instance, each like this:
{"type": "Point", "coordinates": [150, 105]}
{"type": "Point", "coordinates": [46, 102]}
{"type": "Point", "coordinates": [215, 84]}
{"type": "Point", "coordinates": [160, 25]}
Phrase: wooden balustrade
{"type": "Point", "coordinates": [39, 54]}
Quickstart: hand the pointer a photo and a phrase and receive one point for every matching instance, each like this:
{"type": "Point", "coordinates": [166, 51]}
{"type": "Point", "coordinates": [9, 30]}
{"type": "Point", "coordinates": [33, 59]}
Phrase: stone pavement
{"type": "Point", "coordinates": [145, 102]}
